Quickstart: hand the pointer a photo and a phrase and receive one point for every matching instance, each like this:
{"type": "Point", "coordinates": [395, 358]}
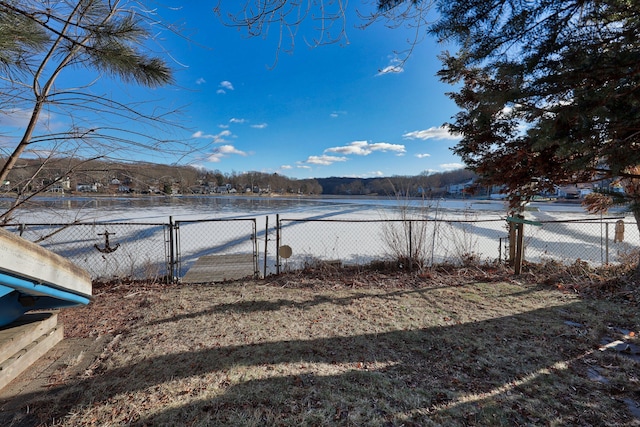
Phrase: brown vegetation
{"type": "Point", "coordinates": [331, 346]}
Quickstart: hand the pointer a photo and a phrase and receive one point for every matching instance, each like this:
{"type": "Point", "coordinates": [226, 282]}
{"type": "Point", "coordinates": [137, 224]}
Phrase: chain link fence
{"type": "Point", "coordinates": [106, 250]}
{"type": "Point", "coordinates": [360, 242]}
{"type": "Point", "coordinates": [432, 242]}
{"type": "Point", "coordinates": [598, 241]}
{"type": "Point", "coordinates": [169, 250]}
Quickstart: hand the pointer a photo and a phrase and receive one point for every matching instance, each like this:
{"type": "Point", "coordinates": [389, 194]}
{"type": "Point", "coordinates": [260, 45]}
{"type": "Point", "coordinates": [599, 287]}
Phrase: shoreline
{"type": "Point", "coordinates": [288, 196]}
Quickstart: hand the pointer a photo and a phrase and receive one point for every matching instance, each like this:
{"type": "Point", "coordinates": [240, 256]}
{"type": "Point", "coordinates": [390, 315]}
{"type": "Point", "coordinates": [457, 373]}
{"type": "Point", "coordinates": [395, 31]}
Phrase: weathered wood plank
{"type": "Point", "coordinates": [220, 268]}
{"type": "Point", "coordinates": [24, 331]}
{"type": "Point", "coordinates": [25, 341]}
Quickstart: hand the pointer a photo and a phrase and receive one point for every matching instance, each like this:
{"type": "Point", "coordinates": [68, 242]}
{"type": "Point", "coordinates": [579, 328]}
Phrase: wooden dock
{"type": "Point", "coordinates": [221, 268]}
{"type": "Point", "coordinates": [25, 341]}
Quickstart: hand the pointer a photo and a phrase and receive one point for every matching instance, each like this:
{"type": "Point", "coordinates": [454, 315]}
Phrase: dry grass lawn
{"type": "Point", "coordinates": [356, 349]}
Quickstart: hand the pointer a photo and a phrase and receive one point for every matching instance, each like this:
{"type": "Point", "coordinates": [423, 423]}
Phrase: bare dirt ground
{"type": "Point", "coordinates": [454, 347]}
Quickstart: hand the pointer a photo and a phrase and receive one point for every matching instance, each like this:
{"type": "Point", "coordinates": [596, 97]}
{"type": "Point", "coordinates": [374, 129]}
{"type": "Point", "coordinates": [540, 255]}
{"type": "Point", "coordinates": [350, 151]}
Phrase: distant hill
{"type": "Point", "coordinates": [102, 176]}
{"type": "Point", "coordinates": [436, 184]}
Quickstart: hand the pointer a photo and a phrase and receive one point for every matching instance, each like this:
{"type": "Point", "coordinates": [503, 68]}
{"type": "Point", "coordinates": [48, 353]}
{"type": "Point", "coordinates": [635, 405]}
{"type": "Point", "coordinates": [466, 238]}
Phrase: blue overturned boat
{"type": "Point", "coordinates": [34, 278]}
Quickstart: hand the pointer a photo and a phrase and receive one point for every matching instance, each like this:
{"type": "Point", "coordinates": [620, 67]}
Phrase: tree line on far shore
{"type": "Point", "coordinates": [106, 177]}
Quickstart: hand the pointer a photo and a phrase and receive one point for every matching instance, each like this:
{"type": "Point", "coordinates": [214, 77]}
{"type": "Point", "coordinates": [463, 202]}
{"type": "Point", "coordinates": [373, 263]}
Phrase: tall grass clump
{"type": "Point", "coordinates": [410, 235]}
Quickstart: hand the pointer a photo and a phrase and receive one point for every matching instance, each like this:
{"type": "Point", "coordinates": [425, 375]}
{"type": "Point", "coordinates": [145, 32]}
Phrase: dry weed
{"type": "Point", "coordinates": [335, 346]}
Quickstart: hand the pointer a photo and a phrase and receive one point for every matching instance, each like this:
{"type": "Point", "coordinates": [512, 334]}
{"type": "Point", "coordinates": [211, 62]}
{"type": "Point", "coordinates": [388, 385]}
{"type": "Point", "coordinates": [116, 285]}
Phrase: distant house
{"type": "Point", "coordinates": [57, 185]}
{"type": "Point", "coordinates": [116, 186]}
{"type": "Point", "coordinates": [87, 188]}
{"type": "Point", "coordinates": [56, 189]}
{"type": "Point", "coordinates": [578, 191]}
{"type": "Point", "coordinates": [223, 189]}
{"type": "Point", "coordinates": [199, 189]}
{"type": "Point", "coordinates": [459, 189]}
{"type": "Point", "coordinates": [65, 183]}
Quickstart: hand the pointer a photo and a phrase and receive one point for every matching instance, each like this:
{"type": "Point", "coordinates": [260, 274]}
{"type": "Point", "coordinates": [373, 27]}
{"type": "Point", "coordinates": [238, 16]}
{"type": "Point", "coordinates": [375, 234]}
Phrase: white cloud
{"type": "Point", "coordinates": [226, 85]}
{"type": "Point", "coordinates": [385, 146]}
{"type": "Point", "coordinates": [423, 155]}
{"type": "Point", "coordinates": [237, 120]}
{"type": "Point", "coordinates": [200, 81]}
{"type": "Point", "coordinates": [15, 117]}
{"type": "Point", "coordinates": [390, 69]}
{"type": "Point", "coordinates": [19, 118]}
{"type": "Point", "coordinates": [451, 166]}
{"type": "Point", "coordinates": [359, 148]}
{"type": "Point", "coordinates": [223, 151]}
{"type": "Point", "coordinates": [325, 160]}
{"type": "Point", "coordinates": [363, 148]}
{"type": "Point", "coordinates": [336, 114]}
{"type": "Point", "coordinates": [217, 138]}
{"type": "Point", "coordinates": [229, 149]}
{"type": "Point", "coordinates": [303, 167]}
{"type": "Point", "coordinates": [441, 132]}
{"type": "Point", "coordinates": [259, 126]}
{"type": "Point", "coordinates": [394, 67]}
{"type": "Point", "coordinates": [286, 167]}
{"type": "Point", "coordinates": [221, 136]}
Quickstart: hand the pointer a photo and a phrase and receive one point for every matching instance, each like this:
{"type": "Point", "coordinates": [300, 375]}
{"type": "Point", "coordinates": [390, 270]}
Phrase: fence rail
{"type": "Point", "coordinates": [169, 250]}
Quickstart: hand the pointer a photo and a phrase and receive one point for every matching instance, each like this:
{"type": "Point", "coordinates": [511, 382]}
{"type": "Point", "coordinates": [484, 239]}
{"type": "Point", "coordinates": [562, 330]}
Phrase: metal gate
{"type": "Point", "coordinates": [215, 250]}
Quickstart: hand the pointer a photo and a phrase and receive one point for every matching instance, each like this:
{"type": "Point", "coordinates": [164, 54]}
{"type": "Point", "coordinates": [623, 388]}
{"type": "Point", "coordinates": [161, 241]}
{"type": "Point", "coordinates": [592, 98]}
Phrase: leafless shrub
{"type": "Point", "coordinates": [407, 238]}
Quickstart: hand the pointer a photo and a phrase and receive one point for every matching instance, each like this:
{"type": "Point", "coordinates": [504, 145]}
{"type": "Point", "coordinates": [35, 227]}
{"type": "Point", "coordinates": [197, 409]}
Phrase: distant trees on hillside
{"type": "Point", "coordinates": [108, 177]}
{"type": "Point", "coordinates": [423, 185]}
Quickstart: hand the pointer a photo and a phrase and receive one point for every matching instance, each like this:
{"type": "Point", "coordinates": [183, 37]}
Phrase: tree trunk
{"type": "Point", "coordinates": [636, 215]}
{"type": "Point", "coordinates": [24, 142]}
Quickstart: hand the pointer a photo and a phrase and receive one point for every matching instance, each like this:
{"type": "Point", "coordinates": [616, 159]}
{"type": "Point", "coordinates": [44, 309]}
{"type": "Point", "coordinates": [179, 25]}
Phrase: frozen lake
{"type": "Point", "coordinates": [64, 209]}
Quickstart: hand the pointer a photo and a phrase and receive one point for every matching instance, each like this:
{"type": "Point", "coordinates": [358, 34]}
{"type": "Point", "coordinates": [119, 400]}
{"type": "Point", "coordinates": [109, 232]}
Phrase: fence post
{"type": "Point", "coordinates": [277, 244]}
{"type": "Point", "coordinates": [519, 247]}
{"type": "Point", "coordinates": [256, 254]}
{"type": "Point", "coordinates": [172, 260]}
{"type": "Point", "coordinates": [606, 243]}
{"type": "Point", "coordinates": [512, 244]}
{"type": "Point", "coordinates": [266, 239]}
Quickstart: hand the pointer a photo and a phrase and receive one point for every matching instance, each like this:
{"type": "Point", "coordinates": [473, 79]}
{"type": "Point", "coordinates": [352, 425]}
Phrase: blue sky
{"type": "Point", "coordinates": [324, 111]}
{"type": "Point", "coordinates": [332, 110]}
